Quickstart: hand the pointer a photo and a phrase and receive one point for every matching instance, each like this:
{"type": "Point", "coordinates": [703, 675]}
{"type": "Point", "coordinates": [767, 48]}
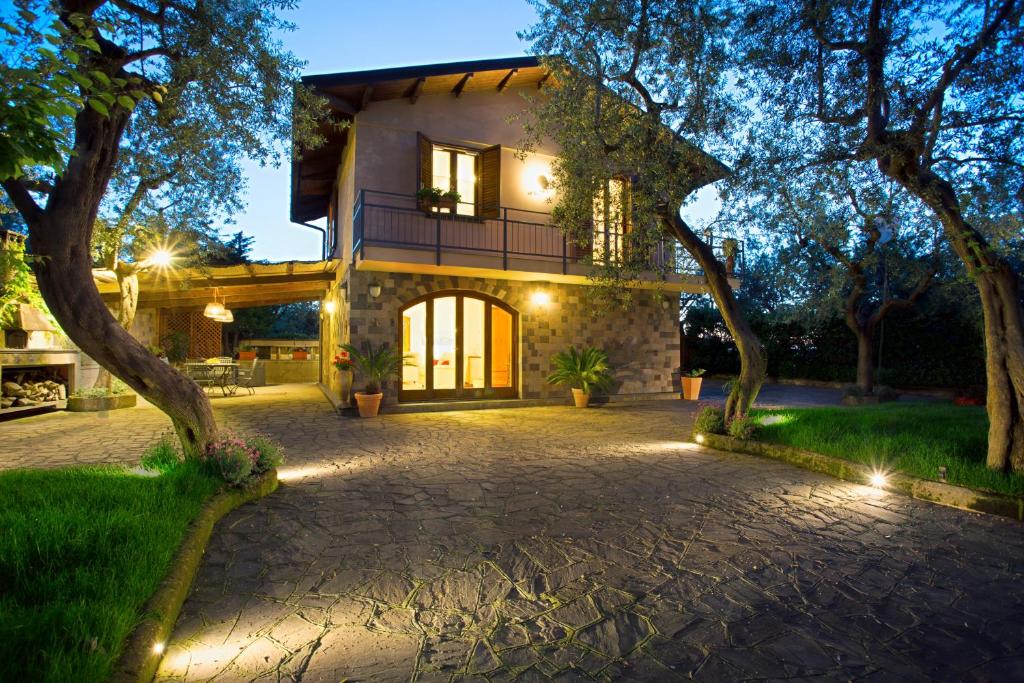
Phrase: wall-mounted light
{"type": "Point", "coordinates": [330, 307]}
{"type": "Point", "coordinates": [537, 179]}
{"type": "Point", "coordinates": [540, 298]}
{"type": "Point", "coordinates": [375, 289]}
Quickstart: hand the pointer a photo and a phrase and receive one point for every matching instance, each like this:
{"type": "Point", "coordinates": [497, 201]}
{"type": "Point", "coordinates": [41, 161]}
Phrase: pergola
{"type": "Point", "coordinates": [240, 286]}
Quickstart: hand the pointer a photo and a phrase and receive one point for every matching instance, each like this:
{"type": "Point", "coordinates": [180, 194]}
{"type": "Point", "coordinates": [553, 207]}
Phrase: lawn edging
{"type": "Point", "coordinates": [922, 489]}
{"type": "Point", "coordinates": [140, 658]}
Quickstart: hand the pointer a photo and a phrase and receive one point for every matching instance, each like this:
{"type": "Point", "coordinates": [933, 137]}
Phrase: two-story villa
{"type": "Point", "coordinates": [481, 293]}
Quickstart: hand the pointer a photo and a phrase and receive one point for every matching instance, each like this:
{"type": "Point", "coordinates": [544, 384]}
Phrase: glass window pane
{"type": "Point", "coordinates": [466, 183]}
{"type": "Point", "coordinates": [442, 169]}
{"type": "Point", "coordinates": [473, 343]}
{"type": "Point", "coordinates": [501, 348]}
{"type": "Point", "coordinates": [444, 343]}
{"type": "Point", "coordinates": [414, 347]}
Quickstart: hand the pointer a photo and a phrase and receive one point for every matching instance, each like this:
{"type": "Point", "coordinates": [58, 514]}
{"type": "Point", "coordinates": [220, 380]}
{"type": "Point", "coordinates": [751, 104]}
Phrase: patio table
{"type": "Point", "coordinates": [223, 375]}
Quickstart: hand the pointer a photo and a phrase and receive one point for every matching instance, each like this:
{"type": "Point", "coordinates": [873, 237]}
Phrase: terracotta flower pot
{"type": "Point", "coordinates": [246, 355]}
{"type": "Point", "coordinates": [369, 404]}
{"type": "Point", "coordinates": [580, 398]}
{"type": "Point", "coordinates": [691, 388]}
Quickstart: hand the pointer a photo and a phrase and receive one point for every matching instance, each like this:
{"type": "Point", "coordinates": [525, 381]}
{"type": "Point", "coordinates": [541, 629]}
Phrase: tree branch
{"type": "Point", "coordinates": [22, 200]}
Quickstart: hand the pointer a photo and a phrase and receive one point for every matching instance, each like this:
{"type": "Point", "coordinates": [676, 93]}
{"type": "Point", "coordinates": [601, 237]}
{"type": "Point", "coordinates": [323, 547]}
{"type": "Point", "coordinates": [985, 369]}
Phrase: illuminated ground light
{"type": "Point", "coordinates": [878, 479]}
{"type": "Point", "coordinates": [699, 438]}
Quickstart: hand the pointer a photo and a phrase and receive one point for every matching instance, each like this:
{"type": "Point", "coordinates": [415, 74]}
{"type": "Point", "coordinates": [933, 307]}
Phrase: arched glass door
{"type": "Point", "coordinates": [458, 345]}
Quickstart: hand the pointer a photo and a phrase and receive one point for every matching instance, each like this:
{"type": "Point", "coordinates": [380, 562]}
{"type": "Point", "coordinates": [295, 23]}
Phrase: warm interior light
{"type": "Point", "coordinates": [330, 307]}
{"type": "Point", "coordinates": [214, 309]}
{"type": "Point", "coordinates": [878, 479]}
{"type": "Point", "coordinates": [158, 648]}
{"type": "Point", "coordinates": [540, 298]}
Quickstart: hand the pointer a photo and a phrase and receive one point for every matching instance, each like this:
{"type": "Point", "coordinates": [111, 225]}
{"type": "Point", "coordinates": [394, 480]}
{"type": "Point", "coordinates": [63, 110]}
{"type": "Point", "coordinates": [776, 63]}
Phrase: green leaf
{"type": "Point", "coordinates": [10, 29]}
{"type": "Point", "coordinates": [72, 57]}
{"type": "Point", "coordinates": [103, 79]}
{"type": "Point", "coordinates": [126, 102]}
{"type": "Point", "coordinates": [99, 106]}
{"type": "Point", "coordinates": [91, 44]}
{"type": "Point", "coordinates": [28, 16]}
{"type": "Point", "coordinates": [81, 80]}
{"type": "Point", "coordinates": [158, 97]}
{"type": "Point", "coordinates": [106, 97]}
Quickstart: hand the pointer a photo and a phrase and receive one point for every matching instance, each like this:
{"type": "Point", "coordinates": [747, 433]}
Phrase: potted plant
{"type": "Point", "coordinates": [435, 199]}
{"type": "Point", "coordinates": [375, 365]}
{"type": "Point", "coordinates": [343, 364]}
{"type": "Point", "coordinates": [730, 248]}
{"type": "Point", "coordinates": [583, 371]}
{"type": "Point", "coordinates": [246, 352]}
{"type": "Point", "coordinates": [691, 384]}
{"type": "Point", "coordinates": [300, 354]}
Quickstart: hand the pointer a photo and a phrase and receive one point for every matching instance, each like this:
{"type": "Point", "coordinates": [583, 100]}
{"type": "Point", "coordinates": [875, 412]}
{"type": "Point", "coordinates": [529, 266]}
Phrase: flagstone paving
{"type": "Point", "coordinates": [558, 544]}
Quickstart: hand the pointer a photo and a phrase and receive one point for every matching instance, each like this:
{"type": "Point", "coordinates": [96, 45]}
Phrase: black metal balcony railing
{"type": "Point", "coordinates": [395, 220]}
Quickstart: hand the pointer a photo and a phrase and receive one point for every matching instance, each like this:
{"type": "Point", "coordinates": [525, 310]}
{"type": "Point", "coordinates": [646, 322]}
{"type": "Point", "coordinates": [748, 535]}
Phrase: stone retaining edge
{"type": "Point", "coordinates": [139, 660]}
{"type": "Point", "coordinates": [934, 392]}
{"type": "Point", "coordinates": [922, 489]}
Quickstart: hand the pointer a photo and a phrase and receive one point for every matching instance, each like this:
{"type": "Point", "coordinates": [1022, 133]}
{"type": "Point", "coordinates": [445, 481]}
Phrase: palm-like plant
{"type": "Point", "coordinates": [586, 370]}
{"type": "Point", "coordinates": [374, 365]}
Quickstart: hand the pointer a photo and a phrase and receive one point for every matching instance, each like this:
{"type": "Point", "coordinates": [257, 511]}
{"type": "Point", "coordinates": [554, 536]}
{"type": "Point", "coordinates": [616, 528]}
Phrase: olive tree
{"type": "Point", "coordinates": [929, 92]}
{"type": "Point", "coordinates": [74, 75]}
{"type": "Point", "coordinates": [638, 90]}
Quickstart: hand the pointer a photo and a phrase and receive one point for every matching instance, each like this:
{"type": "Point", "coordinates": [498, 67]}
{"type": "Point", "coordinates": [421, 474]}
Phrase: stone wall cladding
{"type": "Point", "coordinates": [642, 342]}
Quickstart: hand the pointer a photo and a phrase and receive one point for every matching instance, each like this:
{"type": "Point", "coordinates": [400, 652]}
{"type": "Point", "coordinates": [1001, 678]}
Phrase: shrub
{"type": "Point", "coordinates": [741, 428]}
{"type": "Point", "coordinates": [710, 420]}
{"type": "Point", "coordinates": [231, 458]}
{"type": "Point", "coordinates": [163, 456]}
{"type": "Point", "coordinates": [236, 459]}
{"type": "Point", "coordinates": [270, 453]}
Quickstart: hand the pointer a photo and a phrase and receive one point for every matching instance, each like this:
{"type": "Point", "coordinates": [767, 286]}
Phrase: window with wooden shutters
{"type": "Point", "coordinates": [611, 220]}
{"type": "Point", "coordinates": [474, 174]}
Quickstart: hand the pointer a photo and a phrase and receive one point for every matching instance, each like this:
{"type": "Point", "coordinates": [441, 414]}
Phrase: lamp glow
{"type": "Point", "coordinates": [540, 298]}
{"type": "Point", "coordinates": [878, 479]}
{"type": "Point", "coordinates": [699, 438]}
{"type": "Point", "coordinates": [161, 258]}
{"type": "Point", "coordinates": [330, 307]}
{"type": "Point", "coordinates": [158, 648]}
{"type": "Point", "coordinates": [214, 309]}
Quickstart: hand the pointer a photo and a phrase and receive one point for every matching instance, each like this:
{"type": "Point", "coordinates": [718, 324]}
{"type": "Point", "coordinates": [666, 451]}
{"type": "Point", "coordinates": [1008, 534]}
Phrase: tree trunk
{"type": "Point", "coordinates": [753, 364]}
{"type": "Point", "coordinates": [999, 289]}
{"type": "Point", "coordinates": [866, 361]}
{"type": "Point", "coordinates": [61, 237]}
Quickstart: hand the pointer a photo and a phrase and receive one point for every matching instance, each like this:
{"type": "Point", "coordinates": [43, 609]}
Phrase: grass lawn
{"type": "Point", "coordinates": [913, 438]}
{"type": "Point", "coordinates": [81, 550]}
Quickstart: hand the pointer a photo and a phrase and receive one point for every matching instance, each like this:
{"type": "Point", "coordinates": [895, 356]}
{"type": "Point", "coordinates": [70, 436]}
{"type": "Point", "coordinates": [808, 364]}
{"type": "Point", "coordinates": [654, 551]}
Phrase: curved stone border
{"type": "Point", "coordinates": [922, 489]}
{"type": "Point", "coordinates": [140, 659]}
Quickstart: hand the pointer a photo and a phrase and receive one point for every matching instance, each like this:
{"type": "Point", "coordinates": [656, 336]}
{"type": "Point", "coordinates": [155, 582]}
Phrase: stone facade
{"type": "Point", "coordinates": [642, 341]}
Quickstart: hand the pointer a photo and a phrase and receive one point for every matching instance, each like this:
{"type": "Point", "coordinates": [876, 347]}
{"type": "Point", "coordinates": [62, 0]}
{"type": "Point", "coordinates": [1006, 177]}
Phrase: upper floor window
{"type": "Point", "coordinates": [455, 169]}
{"type": "Point", "coordinates": [474, 173]}
{"type": "Point", "coordinates": [611, 219]}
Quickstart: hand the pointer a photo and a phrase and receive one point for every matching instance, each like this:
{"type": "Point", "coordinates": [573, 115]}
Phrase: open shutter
{"type": "Point", "coordinates": [490, 182]}
{"type": "Point", "coordinates": [424, 165]}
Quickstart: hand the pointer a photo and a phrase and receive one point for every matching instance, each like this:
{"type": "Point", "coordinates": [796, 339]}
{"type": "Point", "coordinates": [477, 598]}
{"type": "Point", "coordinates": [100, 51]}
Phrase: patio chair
{"type": "Point", "coordinates": [201, 374]}
{"type": "Point", "coordinates": [247, 375]}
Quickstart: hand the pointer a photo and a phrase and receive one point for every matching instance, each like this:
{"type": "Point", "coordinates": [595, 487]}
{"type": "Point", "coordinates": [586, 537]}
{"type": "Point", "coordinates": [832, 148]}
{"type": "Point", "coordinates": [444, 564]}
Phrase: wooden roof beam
{"type": "Point", "coordinates": [506, 79]}
{"type": "Point", "coordinates": [543, 80]}
{"type": "Point", "coordinates": [461, 85]}
{"type": "Point", "coordinates": [364, 101]}
{"type": "Point", "coordinates": [338, 104]}
{"type": "Point", "coordinates": [413, 93]}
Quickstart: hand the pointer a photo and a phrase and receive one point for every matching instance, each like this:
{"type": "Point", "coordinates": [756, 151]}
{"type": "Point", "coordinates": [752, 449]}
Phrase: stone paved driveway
{"type": "Point", "coordinates": [550, 543]}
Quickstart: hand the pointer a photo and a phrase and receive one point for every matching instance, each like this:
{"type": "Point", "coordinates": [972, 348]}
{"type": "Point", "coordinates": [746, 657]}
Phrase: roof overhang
{"type": "Point", "coordinates": [348, 93]}
{"type": "Point", "coordinates": [240, 286]}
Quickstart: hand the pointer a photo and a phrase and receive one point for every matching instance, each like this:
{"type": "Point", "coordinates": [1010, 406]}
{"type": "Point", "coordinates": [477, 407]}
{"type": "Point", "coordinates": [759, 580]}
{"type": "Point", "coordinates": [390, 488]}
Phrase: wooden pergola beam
{"type": "Point", "coordinates": [506, 79]}
{"type": "Point", "coordinates": [461, 85]}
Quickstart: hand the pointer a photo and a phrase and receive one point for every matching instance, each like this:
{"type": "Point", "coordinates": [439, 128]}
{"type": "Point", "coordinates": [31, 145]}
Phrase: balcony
{"type": "Point", "coordinates": [392, 233]}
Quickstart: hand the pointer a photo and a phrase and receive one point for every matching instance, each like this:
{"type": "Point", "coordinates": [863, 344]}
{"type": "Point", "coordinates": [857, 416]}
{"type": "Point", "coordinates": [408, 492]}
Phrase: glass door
{"type": "Point", "coordinates": [458, 346]}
